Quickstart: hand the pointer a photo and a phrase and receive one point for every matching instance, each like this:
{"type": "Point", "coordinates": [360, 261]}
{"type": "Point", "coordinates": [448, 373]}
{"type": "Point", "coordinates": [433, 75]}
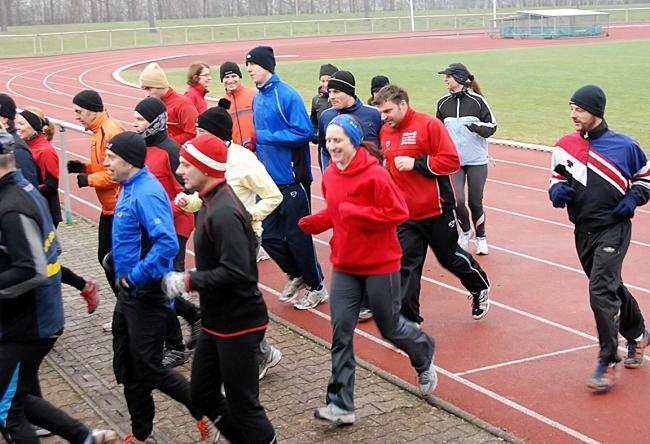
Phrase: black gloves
{"type": "Point", "coordinates": [76, 166]}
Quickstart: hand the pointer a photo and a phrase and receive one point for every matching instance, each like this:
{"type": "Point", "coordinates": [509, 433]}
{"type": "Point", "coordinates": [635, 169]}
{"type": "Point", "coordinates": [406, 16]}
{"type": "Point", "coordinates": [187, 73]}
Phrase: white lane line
{"type": "Point", "coordinates": [489, 393]}
{"type": "Point", "coordinates": [527, 165]}
{"type": "Point", "coordinates": [523, 360]}
{"type": "Point", "coordinates": [510, 184]}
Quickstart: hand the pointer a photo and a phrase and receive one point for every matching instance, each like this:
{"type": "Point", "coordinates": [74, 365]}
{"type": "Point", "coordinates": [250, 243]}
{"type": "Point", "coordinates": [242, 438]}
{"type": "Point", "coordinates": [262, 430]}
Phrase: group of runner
{"type": "Point", "coordinates": [238, 176]}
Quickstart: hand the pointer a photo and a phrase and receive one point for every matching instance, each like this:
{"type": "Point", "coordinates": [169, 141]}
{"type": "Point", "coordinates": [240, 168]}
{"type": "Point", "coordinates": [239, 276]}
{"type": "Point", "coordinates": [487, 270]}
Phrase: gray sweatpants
{"type": "Point", "coordinates": [383, 291]}
{"type": "Point", "coordinates": [476, 176]}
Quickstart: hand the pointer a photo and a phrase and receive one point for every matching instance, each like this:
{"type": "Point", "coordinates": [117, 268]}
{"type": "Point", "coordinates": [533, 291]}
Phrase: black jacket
{"type": "Point", "coordinates": [226, 269]}
{"type": "Point", "coordinates": [319, 103]}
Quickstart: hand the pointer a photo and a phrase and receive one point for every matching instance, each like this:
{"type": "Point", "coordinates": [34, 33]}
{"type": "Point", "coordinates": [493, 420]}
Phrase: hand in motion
{"type": "Point", "coordinates": [404, 163]}
{"type": "Point", "coordinates": [188, 202]}
{"type": "Point", "coordinates": [561, 194]}
{"type": "Point", "coordinates": [626, 206]}
{"type": "Point", "coordinates": [173, 284]}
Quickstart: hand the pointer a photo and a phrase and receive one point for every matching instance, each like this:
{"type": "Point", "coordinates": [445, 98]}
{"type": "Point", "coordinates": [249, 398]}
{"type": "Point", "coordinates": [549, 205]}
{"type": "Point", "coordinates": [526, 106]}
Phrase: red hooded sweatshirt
{"type": "Point", "coordinates": [364, 207]}
{"type": "Point", "coordinates": [182, 115]}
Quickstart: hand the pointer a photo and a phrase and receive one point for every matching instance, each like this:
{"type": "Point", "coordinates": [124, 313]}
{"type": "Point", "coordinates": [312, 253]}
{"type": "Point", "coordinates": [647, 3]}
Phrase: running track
{"type": "Point", "coordinates": [524, 366]}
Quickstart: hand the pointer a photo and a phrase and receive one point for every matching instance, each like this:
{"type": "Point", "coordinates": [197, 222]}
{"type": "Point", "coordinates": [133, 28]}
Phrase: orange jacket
{"type": "Point", "coordinates": [241, 111]}
{"type": "Point", "coordinates": [103, 129]}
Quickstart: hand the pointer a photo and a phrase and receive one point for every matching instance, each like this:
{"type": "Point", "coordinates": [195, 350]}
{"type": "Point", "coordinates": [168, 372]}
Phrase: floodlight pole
{"type": "Point", "coordinates": [494, 13]}
{"type": "Point", "coordinates": [413, 16]}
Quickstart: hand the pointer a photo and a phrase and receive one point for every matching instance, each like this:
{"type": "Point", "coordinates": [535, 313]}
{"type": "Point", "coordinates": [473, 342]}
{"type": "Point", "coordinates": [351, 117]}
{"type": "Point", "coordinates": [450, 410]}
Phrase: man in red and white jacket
{"type": "Point", "coordinates": [421, 157]}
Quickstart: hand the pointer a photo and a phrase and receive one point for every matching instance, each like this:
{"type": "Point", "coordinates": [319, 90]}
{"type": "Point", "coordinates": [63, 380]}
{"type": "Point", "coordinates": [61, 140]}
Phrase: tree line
{"type": "Point", "coordinates": [38, 12]}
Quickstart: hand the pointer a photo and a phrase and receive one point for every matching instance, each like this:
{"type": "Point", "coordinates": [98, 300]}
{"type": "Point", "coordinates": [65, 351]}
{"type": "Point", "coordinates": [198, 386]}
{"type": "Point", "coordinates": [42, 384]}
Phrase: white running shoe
{"type": "Point", "coordinates": [335, 414]}
{"type": "Point", "coordinates": [271, 360]}
{"type": "Point", "coordinates": [312, 299]}
{"type": "Point", "coordinates": [481, 246]}
{"type": "Point", "coordinates": [291, 288]}
{"type": "Point", "coordinates": [108, 327]}
{"type": "Point", "coordinates": [428, 380]}
{"type": "Point", "coordinates": [463, 239]}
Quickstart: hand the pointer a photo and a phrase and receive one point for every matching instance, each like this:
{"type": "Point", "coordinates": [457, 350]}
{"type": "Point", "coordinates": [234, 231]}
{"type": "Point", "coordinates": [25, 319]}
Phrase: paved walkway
{"type": "Point", "coordinates": [78, 377]}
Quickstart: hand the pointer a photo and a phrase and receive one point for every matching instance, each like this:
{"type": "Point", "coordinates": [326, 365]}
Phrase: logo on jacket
{"type": "Point", "coordinates": [293, 193]}
{"type": "Point", "coordinates": [569, 164]}
{"type": "Point", "coordinates": [409, 138]}
{"type": "Point", "coordinates": [387, 144]}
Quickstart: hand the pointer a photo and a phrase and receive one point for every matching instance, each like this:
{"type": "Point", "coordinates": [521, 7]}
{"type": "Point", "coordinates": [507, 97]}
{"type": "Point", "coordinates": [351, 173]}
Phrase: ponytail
{"type": "Point", "coordinates": [373, 150]}
{"type": "Point", "coordinates": [48, 129]}
{"type": "Point", "coordinates": [473, 84]}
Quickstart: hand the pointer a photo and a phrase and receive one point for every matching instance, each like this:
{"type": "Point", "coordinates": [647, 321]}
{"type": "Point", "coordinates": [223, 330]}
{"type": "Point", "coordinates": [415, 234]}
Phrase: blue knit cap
{"type": "Point", "coordinates": [351, 127]}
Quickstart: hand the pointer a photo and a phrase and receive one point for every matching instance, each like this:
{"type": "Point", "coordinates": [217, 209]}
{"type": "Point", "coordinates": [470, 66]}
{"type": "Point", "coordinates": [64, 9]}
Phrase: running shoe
{"type": "Point", "coordinates": [636, 350]}
{"type": "Point", "coordinates": [90, 294]}
{"type": "Point", "coordinates": [604, 378]}
{"type": "Point", "coordinates": [291, 289]}
{"type": "Point", "coordinates": [272, 359]}
{"type": "Point", "coordinates": [333, 413]}
{"type": "Point", "coordinates": [312, 299]}
{"type": "Point", "coordinates": [480, 303]}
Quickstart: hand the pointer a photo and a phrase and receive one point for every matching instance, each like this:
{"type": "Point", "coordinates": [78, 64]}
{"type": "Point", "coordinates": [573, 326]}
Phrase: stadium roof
{"type": "Point", "coordinates": [561, 12]}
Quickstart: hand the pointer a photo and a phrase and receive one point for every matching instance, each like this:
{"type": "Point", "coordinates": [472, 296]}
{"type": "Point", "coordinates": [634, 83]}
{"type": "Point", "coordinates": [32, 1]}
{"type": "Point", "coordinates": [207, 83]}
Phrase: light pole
{"type": "Point", "coordinates": [494, 13]}
{"type": "Point", "coordinates": [413, 16]}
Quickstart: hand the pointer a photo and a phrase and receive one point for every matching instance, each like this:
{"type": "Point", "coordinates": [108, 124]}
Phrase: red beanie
{"type": "Point", "coordinates": [208, 153]}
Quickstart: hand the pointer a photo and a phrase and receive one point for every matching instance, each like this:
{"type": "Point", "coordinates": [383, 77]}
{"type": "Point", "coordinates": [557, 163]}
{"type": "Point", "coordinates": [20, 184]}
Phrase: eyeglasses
{"type": "Point", "coordinates": [205, 75]}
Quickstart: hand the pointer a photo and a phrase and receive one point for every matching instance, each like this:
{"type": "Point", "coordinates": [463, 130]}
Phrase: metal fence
{"type": "Point", "coordinates": [79, 41]}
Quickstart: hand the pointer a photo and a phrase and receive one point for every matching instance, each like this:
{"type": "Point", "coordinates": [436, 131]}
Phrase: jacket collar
{"type": "Point", "coordinates": [272, 81]}
{"type": "Point", "coordinates": [410, 112]}
{"type": "Point", "coordinates": [207, 193]}
{"type": "Point", "coordinates": [135, 177]}
{"type": "Point", "coordinates": [156, 139]}
{"type": "Point", "coordinates": [357, 104]}
{"type": "Point", "coordinates": [596, 132]}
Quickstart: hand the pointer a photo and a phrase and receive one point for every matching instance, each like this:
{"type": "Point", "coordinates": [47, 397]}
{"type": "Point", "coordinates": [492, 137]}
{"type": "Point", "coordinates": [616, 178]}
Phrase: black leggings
{"type": "Point", "coordinates": [69, 277]}
{"type": "Point", "coordinates": [475, 176]}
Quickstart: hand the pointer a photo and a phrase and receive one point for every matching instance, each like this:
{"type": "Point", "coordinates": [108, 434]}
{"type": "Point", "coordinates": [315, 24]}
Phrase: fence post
{"type": "Point", "coordinates": [65, 177]}
{"type": "Point", "coordinates": [85, 40]}
{"type": "Point", "coordinates": [186, 35]}
{"type": "Point", "coordinates": [290, 29]}
{"type": "Point", "coordinates": [135, 38]}
{"type": "Point", "coordinates": [455, 21]}
{"type": "Point", "coordinates": [345, 26]}
{"type": "Point", "coordinates": [318, 28]}
{"type": "Point", "coordinates": [212, 33]}
{"type": "Point", "coordinates": [34, 42]}
{"type": "Point", "coordinates": [238, 32]}
{"type": "Point", "coordinates": [264, 28]}
{"type": "Point", "coordinates": [40, 43]}
{"type": "Point", "coordinates": [428, 23]}
{"type": "Point", "coordinates": [627, 15]}
{"type": "Point", "coordinates": [160, 36]}
{"type": "Point", "coordinates": [372, 25]}
{"type": "Point", "coordinates": [110, 39]}
{"type": "Point", "coordinates": [399, 24]}
{"type": "Point", "coordinates": [61, 38]}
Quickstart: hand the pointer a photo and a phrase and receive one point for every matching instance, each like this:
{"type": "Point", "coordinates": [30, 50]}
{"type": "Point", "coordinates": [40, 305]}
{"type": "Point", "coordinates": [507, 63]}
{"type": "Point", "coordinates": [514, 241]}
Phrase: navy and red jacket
{"type": "Point", "coordinates": [364, 207]}
{"type": "Point", "coordinates": [226, 267]}
{"type": "Point", "coordinates": [601, 166]}
{"type": "Point", "coordinates": [162, 161]}
{"type": "Point", "coordinates": [47, 162]}
{"type": "Point", "coordinates": [429, 188]}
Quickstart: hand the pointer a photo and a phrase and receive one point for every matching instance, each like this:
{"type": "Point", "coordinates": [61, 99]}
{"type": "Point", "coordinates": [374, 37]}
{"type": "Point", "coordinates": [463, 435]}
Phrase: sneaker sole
{"type": "Point", "coordinates": [339, 420]}
{"type": "Point", "coordinates": [598, 390]}
{"type": "Point", "coordinates": [270, 365]}
{"type": "Point", "coordinates": [310, 306]}
{"type": "Point", "coordinates": [482, 315]}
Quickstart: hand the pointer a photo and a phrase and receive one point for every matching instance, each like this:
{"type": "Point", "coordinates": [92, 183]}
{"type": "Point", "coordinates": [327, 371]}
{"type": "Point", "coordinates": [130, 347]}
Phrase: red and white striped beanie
{"type": "Point", "coordinates": [208, 153]}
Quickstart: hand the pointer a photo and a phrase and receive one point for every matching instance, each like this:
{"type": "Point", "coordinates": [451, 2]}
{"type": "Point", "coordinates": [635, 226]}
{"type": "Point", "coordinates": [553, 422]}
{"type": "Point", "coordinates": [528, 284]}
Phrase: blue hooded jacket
{"type": "Point", "coordinates": [283, 132]}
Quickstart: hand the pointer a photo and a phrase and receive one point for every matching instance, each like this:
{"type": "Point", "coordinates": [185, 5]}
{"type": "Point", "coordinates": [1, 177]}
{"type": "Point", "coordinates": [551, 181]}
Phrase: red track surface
{"type": "Point", "coordinates": [523, 367]}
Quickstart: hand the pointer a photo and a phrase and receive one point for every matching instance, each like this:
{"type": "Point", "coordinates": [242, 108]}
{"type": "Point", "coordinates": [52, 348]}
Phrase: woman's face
{"type": "Point", "coordinates": [205, 77]}
{"type": "Point", "coordinates": [451, 83]}
{"type": "Point", "coordinates": [339, 146]}
{"type": "Point", "coordinates": [23, 128]}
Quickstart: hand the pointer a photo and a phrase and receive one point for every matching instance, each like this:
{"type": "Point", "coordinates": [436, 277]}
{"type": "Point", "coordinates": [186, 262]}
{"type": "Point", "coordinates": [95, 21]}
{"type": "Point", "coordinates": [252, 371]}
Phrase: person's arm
{"type": "Point", "coordinates": [50, 174]}
{"type": "Point", "coordinates": [27, 264]}
{"type": "Point", "coordinates": [187, 116]}
{"type": "Point", "coordinates": [155, 217]}
{"type": "Point", "coordinates": [488, 123]}
{"type": "Point", "coordinates": [298, 127]}
{"type": "Point", "coordinates": [313, 116]}
{"type": "Point", "coordinates": [230, 243]}
{"type": "Point", "coordinates": [316, 223]}
{"type": "Point", "coordinates": [442, 158]}
{"type": "Point", "coordinates": [258, 180]}
{"type": "Point", "coordinates": [388, 208]}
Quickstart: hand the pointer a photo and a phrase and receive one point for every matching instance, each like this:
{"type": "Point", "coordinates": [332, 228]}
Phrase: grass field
{"type": "Point", "coordinates": [528, 89]}
{"type": "Point", "coordinates": [97, 36]}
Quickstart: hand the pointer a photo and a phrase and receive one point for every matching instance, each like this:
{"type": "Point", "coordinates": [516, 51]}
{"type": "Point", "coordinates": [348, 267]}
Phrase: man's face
{"type": "Point", "coordinates": [258, 75]}
{"type": "Point", "coordinates": [150, 91]}
{"type": "Point", "coordinates": [392, 113]}
{"type": "Point", "coordinates": [119, 168]}
{"type": "Point", "coordinates": [340, 100]}
{"type": "Point", "coordinates": [231, 81]}
{"type": "Point", "coordinates": [139, 123]}
{"type": "Point", "coordinates": [193, 177]}
{"type": "Point", "coordinates": [583, 120]}
{"type": "Point", "coordinates": [83, 116]}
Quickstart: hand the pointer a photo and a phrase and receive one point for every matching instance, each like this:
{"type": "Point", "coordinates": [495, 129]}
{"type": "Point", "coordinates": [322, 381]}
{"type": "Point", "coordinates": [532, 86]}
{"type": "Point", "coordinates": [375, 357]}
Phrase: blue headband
{"type": "Point", "coordinates": [351, 127]}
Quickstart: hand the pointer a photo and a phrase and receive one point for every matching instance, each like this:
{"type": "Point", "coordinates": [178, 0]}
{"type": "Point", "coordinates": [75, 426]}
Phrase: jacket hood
{"type": "Point", "coordinates": [361, 161]}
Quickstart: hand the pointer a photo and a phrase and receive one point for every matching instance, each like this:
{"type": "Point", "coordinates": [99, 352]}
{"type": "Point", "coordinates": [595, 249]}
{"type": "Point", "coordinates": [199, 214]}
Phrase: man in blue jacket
{"type": "Point", "coordinates": [31, 310]}
{"type": "Point", "coordinates": [144, 247]}
{"type": "Point", "coordinates": [283, 132]}
{"type": "Point", "coordinates": [342, 95]}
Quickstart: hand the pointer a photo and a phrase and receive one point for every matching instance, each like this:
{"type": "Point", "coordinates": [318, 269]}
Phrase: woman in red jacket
{"type": "Point", "coordinates": [364, 208]}
{"type": "Point", "coordinates": [35, 129]}
{"type": "Point", "coordinates": [198, 79]}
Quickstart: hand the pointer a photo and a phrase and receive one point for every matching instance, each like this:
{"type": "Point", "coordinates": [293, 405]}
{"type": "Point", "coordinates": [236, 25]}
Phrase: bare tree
{"type": "Point", "coordinates": [151, 16]}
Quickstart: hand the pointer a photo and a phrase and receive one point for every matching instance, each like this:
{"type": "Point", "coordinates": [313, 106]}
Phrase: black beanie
{"type": "Point", "coordinates": [590, 98]}
{"type": "Point", "coordinates": [377, 83]}
{"type": "Point", "coordinates": [217, 121]}
{"type": "Point", "coordinates": [150, 108]}
{"type": "Point", "coordinates": [90, 100]}
{"type": "Point", "coordinates": [33, 119]}
{"type": "Point", "coordinates": [229, 68]}
{"type": "Point", "coordinates": [129, 146]}
{"type": "Point", "coordinates": [343, 81]}
{"type": "Point", "coordinates": [7, 107]}
{"type": "Point", "coordinates": [327, 70]}
{"type": "Point", "coordinates": [262, 56]}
